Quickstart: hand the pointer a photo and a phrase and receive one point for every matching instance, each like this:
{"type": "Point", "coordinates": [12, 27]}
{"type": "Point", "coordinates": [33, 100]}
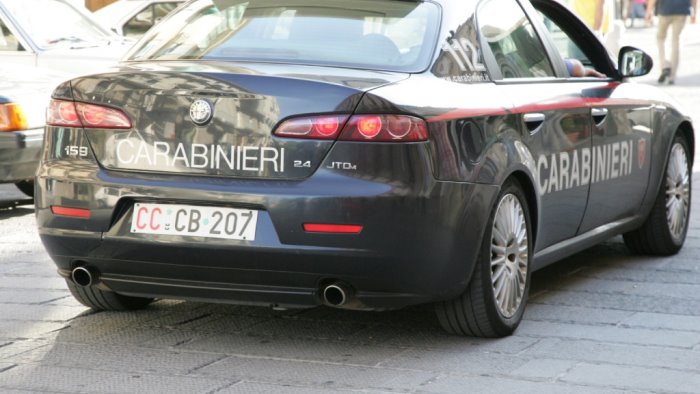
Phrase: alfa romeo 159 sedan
{"type": "Point", "coordinates": [358, 154]}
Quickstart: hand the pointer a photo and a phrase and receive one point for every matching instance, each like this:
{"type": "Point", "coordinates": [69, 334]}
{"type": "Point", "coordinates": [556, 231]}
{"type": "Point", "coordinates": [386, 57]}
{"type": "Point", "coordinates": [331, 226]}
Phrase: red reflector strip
{"type": "Point", "coordinates": [332, 228]}
{"type": "Point", "coordinates": [71, 212]}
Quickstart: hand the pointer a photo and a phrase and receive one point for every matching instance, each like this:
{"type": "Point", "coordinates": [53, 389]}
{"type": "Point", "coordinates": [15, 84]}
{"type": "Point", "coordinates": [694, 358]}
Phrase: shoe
{"type": "Point", "coordinates": [671, 82]}
{"type": "Point", "coordinates": [665, 73]}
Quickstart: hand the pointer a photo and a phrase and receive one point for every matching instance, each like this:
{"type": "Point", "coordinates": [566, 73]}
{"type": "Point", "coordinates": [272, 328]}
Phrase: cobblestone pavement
{"type": "Point", "coordinates": [603, 321]}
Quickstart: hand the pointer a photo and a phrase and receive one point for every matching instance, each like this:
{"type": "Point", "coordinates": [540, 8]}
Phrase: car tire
{"type": "Point", "coordinates": [504, 261]}
{"type": "Point", "coordinates": [105, 300]}
{"type": "Point", "coordinates": [663, 232]}
{"type": "Point", "coordinates": [26, 187]}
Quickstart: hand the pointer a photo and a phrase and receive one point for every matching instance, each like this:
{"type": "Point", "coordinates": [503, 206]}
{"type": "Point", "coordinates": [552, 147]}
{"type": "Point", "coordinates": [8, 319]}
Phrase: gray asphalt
{"type": "Point", "coordinates": [602, 321]}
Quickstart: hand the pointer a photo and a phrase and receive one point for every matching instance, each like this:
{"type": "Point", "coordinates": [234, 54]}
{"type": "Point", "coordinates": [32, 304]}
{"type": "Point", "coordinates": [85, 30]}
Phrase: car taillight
{"type": "Point", "coordinates": [385, 128]}
{"type": "Point", "coordinates": [73, 114]}
{"type": "Point", "coordinates": [79, 213]}
{"type": "Point", "coordinates": [373, 128]}
{"type": "Point", "coordinates": [313, 127]}
{"type": "Point", "coordinates": [12, 118]}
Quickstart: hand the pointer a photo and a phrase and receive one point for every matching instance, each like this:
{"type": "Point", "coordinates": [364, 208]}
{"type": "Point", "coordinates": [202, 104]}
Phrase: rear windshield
{"type": "Point", "coordinates": [381, 35]}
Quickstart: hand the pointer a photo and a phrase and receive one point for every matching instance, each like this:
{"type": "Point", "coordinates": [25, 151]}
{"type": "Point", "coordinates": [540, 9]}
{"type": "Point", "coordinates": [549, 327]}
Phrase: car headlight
{"type": "Point", "coordinates": [12, 118]}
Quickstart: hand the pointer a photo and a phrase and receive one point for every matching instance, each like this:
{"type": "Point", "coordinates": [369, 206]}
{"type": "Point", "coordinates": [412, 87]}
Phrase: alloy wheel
{"type": "Point", "coordinates": [509, 255]}
{"type": "Point", "coordinates": [677, 191]}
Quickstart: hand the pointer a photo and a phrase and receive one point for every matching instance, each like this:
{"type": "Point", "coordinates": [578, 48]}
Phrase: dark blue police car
{"type": "Point", "coordinates": [365, 155]}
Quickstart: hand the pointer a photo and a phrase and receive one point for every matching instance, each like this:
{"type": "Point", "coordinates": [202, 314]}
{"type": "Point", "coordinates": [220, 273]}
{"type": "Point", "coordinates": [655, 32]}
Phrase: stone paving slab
{"type": "Point", "coordinates": [489, 385]}
{"type": "Point", "coordinates": [76, 380]}
{"type": "Point", "coordinates": [663, 321]}
{"type": "Point", "coordinates": [615, 354]}
{"type": "Point", "coordinates": [635, 378]}
{"type": "Point", "coordinates": [329, 376]}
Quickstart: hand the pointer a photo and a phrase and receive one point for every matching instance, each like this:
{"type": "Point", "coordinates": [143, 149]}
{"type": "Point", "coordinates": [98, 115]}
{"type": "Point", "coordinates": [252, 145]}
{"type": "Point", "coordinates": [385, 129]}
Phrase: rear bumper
{"type": "Point", "coordinates": [414, 247]}
{"type": "Point", "coordinates": [419, 241]}
{"type": "Point", "coordinates": [286, 276]}
{"type": "Point", "coordinates": [19, 154]}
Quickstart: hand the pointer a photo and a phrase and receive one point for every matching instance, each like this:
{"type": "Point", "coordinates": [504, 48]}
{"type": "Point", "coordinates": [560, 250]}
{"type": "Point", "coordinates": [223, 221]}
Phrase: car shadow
{"type": "Point", "coordinates": [11, 209]}
{"type": "Point", "coordinates": [260, 331]}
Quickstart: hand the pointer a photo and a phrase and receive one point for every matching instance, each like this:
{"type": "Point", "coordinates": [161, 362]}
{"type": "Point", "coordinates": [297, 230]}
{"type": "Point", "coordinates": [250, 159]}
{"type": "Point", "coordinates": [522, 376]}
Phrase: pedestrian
{"type": "Point", "coordinates": [592, 12]}
{"type": "Point", "coordinates": [637, 9]}
{"type": "Point", "coordinates": [673, 14]}
{"type": "Point", "coordinates": [599, 16]}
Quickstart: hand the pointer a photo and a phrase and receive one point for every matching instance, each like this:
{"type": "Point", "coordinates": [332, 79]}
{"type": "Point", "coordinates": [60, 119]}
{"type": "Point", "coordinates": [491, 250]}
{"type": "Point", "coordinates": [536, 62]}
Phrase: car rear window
{"type": "Point", "coordinates": [383, 35]}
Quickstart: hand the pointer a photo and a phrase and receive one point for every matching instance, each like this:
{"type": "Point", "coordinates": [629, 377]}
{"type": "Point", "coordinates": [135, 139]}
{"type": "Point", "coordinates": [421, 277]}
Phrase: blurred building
{"type": "Point", "coordinates": [94, 5]}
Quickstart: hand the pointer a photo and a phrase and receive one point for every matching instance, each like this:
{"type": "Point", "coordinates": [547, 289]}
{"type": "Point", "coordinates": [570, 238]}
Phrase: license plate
{"type": "Point", "coordinates": [191, 220]}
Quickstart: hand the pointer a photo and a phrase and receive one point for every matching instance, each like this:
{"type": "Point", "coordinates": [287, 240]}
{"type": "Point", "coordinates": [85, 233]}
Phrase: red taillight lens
{"type": "Point", "coordinates": [70, 114]}
{"type": "Point", "coordinates": [369, 126]}
{"type": "Point", "coordinates": [67, 112]}
{"type": "Point", "coordinates": [332, 228]}
{"type": "Point", "coordinates": [385, 128]}
{"type": "Point", "coordinates": [70, 212]}
{"type": "Point", "coordinates": [313, 127]}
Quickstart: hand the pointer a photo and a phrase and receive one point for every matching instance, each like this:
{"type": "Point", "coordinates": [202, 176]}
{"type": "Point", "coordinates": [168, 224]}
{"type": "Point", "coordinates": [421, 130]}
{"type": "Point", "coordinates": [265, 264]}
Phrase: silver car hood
{"type": "Point", "coordinates": [77, 61]}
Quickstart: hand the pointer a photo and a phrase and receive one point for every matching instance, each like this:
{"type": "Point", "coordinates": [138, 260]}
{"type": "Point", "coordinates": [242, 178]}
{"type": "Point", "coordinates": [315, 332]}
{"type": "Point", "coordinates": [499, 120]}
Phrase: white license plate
{"type": "Point", "coordinates": [190, 220]}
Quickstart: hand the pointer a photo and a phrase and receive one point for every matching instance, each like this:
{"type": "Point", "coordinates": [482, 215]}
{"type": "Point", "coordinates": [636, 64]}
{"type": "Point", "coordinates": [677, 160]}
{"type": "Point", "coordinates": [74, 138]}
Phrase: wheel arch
{"type": "Point", "coordinates": [686, 130]}
{"type": "Point", "coordinates": [528, 186]}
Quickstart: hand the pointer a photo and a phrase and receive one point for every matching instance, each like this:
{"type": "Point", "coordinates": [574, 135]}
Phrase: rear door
{"type": "Point", "coordinates": [554, 117]}
{"type": "Point", "coordinates": [619, 158]}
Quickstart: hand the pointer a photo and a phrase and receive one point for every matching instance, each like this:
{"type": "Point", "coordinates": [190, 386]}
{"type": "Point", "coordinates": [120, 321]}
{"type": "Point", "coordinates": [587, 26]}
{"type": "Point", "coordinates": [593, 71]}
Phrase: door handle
{"type": "Point", "coordinates": [599, 115]}
{"type": "Point", "coordinates": [533, 121]}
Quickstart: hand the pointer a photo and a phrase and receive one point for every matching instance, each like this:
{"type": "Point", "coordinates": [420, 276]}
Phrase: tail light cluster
{"type": "Point", "coordinates": [372, 128]}
{"type": "Point", "coordinates": [12, 118]}
{"type": "Point", "coordinates": [313, 127]}
{"type": "Point", "coordinates": [75, 114]}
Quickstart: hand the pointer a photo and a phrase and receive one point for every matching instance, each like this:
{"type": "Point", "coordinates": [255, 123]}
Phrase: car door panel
{"type": "Point", "coordinates": [557, 144]}
{"type": "Point", "coordinates": [555, 117]}
{"type": "Point", "coordinates": [621, 159]}
{"type": "Point", "coordinates": [617, 159]}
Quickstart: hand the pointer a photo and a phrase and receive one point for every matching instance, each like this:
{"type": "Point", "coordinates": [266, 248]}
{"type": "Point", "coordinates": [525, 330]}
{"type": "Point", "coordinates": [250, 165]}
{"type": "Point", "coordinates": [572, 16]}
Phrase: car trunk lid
{"type": "Point", "coordinates": [164, 100]}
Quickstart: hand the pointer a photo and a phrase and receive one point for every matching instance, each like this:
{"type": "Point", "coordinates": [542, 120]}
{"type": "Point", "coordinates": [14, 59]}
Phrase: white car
{"type": "Point", "coordinates": [132, 18]}
{"type": "Point", "coordinates": [54, 34]}
{"type": "Point", "coordinates": [24, 95]}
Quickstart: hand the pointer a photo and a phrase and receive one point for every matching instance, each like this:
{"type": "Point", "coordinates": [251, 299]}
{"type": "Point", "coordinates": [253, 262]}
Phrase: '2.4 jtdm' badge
{"type": "Point", "coordinates": [201, 112]}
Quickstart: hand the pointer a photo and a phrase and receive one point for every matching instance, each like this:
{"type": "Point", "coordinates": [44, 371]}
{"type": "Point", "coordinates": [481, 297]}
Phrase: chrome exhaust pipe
{"type": "Point", "coordinates": [84, 276]}
{"type": "Point", "coordinates": [337, 294]}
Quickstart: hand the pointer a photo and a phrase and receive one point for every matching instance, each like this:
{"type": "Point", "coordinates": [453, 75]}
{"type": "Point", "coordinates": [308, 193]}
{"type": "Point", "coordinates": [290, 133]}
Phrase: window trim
{"type": "Point", "coordinates": [492, 66]}
{"type": "Point", "coordinates": [428, 52]}
{"type": "Point", "coordinates": [589, 44]}
{"type": "Point", "coordinates": [11, 25]}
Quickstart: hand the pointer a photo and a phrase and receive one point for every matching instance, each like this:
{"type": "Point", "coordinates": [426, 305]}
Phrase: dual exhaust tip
{"type": "Point", "coordinates": [84, 276]}
{"type": "Point", "coordinates": [337, 294]}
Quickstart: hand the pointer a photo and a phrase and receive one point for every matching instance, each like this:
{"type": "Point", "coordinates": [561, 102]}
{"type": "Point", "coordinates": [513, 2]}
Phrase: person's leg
{"type": "Point", "coordinates": [664, 22]}
{"type": "Point", "coordinates": [629, 11]}
{"type": "Point", "coordinates": [677, 25]}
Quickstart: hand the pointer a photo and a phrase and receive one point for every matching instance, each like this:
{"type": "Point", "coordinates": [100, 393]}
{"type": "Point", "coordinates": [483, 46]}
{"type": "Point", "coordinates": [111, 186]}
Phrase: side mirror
{"type": "Point", "coordinates": [633, 62]}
